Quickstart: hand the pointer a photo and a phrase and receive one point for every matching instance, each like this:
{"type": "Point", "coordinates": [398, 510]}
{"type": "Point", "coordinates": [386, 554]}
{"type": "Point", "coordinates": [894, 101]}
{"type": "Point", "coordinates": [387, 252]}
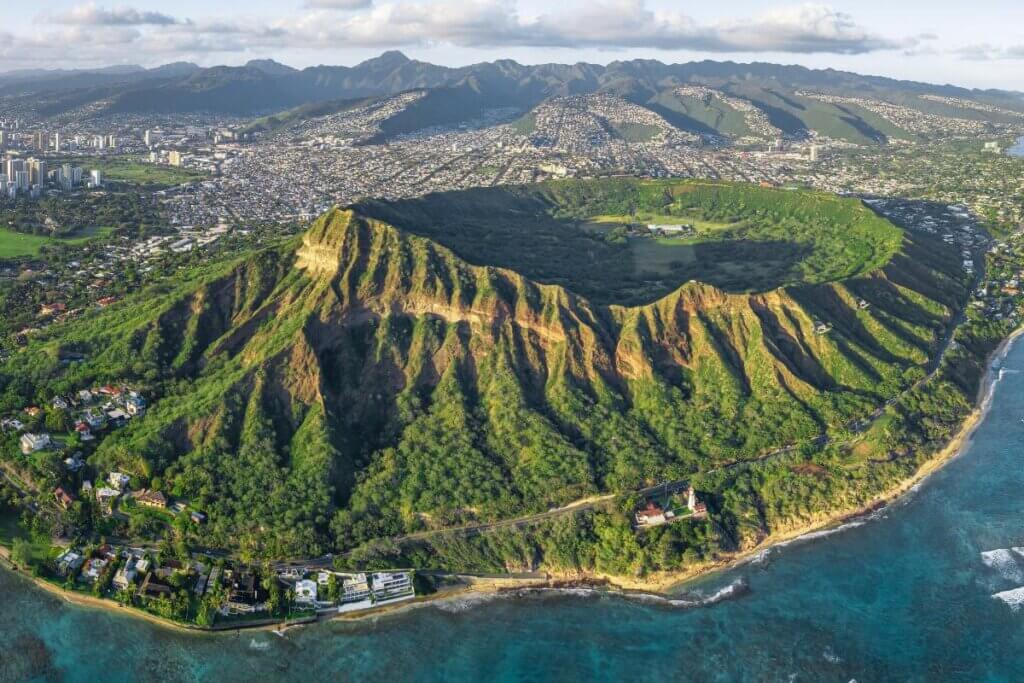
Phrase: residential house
{"type": "Point", "coordinates": [69, 562]}
{"type": "Point", "coordinates": [696, 505]}
{"type": "Point", "coordinates": [151, 588]}
{"type": "Point", "coordinates": [11, 424]}
{"type": "Point", "coordinates": [355, 587]}
{"type": "Point", "coordinates": [118, 480]}
{"type": "Point", "coordinates": [94, 420]}
{"type": "Point", "coordinates": [30, 443]}
{"type": "Point", "coordinates": [93, 568]}
{"type": "Point", "coordinates": [64, 499]}
{"type": "Point", "coordinates": [151, 499]}
{"type": "Point", "coordinates": [125, 576]}
{"type": "Point", "coordinates": [243, 592]}
{"type": "Point", "coordinates": [210, 581]}
{"type": "Point", "coordinates": [83, 431]}
{"type": "Point", "coordinates": [651, 515]}
{"type": "Point", "coordinates": [388, 586]}
{"type": "Point", "coordinates": [197, 517]}
{"type": "Point", "coordinates": [117, 417]}
{"type": "Point", "coordinates": [59, 403]}
{"type": "Point", "coordinates": [74, 463]}
{"type": "Point", "coordinates": [306, 592]}
{"type": "Point", "coordinates": [135, 405]}
{"type": "Point", "coordinates": [106, 496]}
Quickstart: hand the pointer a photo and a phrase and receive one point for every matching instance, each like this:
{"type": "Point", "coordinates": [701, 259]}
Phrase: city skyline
{"type": "Point", "coordinates": [980, 50]}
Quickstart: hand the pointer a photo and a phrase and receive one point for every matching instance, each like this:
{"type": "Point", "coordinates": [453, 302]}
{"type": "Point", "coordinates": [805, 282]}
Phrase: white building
{"type": "Point", "coordinates": [389, 586]}
{"type": "Point", "coordinates": [118, 480]}
{"type": "Point", "coordinates": [306, 591]}
{"type": "Point", "coordinates": [30, 443]}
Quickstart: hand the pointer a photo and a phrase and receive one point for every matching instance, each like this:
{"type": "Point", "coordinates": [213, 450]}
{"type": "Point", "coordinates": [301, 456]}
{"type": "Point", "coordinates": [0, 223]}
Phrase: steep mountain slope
{"type": "Point", "coordinates": [364, 381]}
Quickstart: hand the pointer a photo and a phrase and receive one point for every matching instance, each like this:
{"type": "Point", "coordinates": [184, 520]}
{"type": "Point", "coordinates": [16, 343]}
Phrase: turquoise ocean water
{"type": "Point", "coordinates": [906, 595]}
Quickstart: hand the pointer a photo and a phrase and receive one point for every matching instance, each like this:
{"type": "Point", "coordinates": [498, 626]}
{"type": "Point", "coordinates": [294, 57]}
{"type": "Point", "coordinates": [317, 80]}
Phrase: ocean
{"type": "Point", "coordinates": [929, 589]}
{"type": "Point", "coordinates": [1017, 150]}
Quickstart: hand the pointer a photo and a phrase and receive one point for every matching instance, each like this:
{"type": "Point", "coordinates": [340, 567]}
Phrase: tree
{"type": "Point", "coordinates": [21, 553]}
{"type": "Point", "coordinates": [273, 589]}
{"type": "Point", "coordinates": [57, 421]}
{"type": "Point", "coordinates": [333, 589]}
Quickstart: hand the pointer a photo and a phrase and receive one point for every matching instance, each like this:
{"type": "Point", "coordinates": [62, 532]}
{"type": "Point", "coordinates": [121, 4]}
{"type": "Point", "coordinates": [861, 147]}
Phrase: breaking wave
{"type": "Point", "coordinates": [1014, 598]}
{"type": "Point", "coordinates": [733, 590]}
{"type": "Point", "coordinates": [1006, 561]}
{"type": "Point", "coordinates": [823, 533]}
{"type": "Point", "coordinates": [464, 603]}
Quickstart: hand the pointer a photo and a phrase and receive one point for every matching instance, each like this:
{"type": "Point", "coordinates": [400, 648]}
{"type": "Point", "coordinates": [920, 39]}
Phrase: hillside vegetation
{"type": "Point", "coordinates": [365, 382]}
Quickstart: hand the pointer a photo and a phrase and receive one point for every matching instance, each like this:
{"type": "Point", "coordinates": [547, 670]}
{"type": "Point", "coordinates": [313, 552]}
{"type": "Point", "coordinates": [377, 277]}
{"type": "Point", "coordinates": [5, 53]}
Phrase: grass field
{"type": "Point", "coordinates": [17, 244]}
{"type": "Point", "coordinates": [143, 173]}
{"type": "Point", "coordinates": [135, 171]}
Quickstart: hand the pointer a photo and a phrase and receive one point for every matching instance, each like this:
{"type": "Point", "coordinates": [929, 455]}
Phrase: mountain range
{"type": "Point", "coordinates": [265, 86]}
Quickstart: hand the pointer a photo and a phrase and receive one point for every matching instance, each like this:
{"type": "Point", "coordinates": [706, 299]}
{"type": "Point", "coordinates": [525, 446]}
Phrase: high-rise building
{"type": "Point", "coordinates": [174, 158]}
{"type": "Point", "coordinates": [56, 142]}
{"type": "Point", "coordinates": [42, 141]}
{"type": "Point", "coordinates": [3, 139]}
{"type": "Point", "coordinates": [96, 178]}
{"type": "Point", "coordinates": [36, 171]}
{"type": "Point", "coordinates": [111, 141]}
{"type": "Point", "coordinates": [70, 176]}
{"type": "Point", "coordinates": [14, 166]}
{"type": "Point", "coordinates": [151, 137]}
{"type": "Point", "coordinates": [21, 180]}
{"type": "Point", "coordinates": [815, 151]}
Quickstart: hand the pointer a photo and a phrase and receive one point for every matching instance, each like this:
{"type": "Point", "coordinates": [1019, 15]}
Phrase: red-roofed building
{"type": "Point", "coordinates": [650, 515]}
{"type": "Point", "coordinates": [63, 497]}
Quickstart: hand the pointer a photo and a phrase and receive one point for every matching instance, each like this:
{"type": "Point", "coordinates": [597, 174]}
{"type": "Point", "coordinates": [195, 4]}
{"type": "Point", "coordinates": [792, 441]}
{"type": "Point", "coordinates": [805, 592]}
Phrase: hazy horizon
{"type": "Point", "coordinates": [980, 48]}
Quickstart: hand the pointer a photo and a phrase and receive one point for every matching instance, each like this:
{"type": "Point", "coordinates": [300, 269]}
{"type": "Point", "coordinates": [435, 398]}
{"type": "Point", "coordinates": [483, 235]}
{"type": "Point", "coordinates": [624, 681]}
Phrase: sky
{"type": "Point", "coordinates": [977, 44]}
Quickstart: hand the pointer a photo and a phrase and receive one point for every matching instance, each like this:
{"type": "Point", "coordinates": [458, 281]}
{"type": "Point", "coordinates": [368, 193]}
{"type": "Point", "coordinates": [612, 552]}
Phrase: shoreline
{"type": "Point", "coordinates": [660, 586]}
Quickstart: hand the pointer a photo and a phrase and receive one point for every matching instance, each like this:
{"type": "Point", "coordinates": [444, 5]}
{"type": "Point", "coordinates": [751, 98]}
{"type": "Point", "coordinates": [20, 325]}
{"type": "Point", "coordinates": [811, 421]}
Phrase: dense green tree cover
{"type": "Point", "coordinates": [79, 214]}
{"type": "Point", "coordinates": [365, 384]}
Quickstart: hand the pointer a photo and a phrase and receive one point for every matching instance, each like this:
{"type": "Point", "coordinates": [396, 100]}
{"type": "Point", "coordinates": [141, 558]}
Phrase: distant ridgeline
{"type": "Point", "coordinates": [484, 354]}
{"type": "Point", "coordinates": [745, 102]}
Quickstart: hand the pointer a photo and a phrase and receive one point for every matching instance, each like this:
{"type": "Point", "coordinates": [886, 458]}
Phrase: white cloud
{"type": "Point", "coordinates": [338, 4]}
{"type": "Point", "coordinates": [498, 24]}
{"type": "Point", "coordinates": [92, 14]}
{"type": "Point", "coordinates": [986, 51]}
{"type": "Point", "coordinates": [611, 24]}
